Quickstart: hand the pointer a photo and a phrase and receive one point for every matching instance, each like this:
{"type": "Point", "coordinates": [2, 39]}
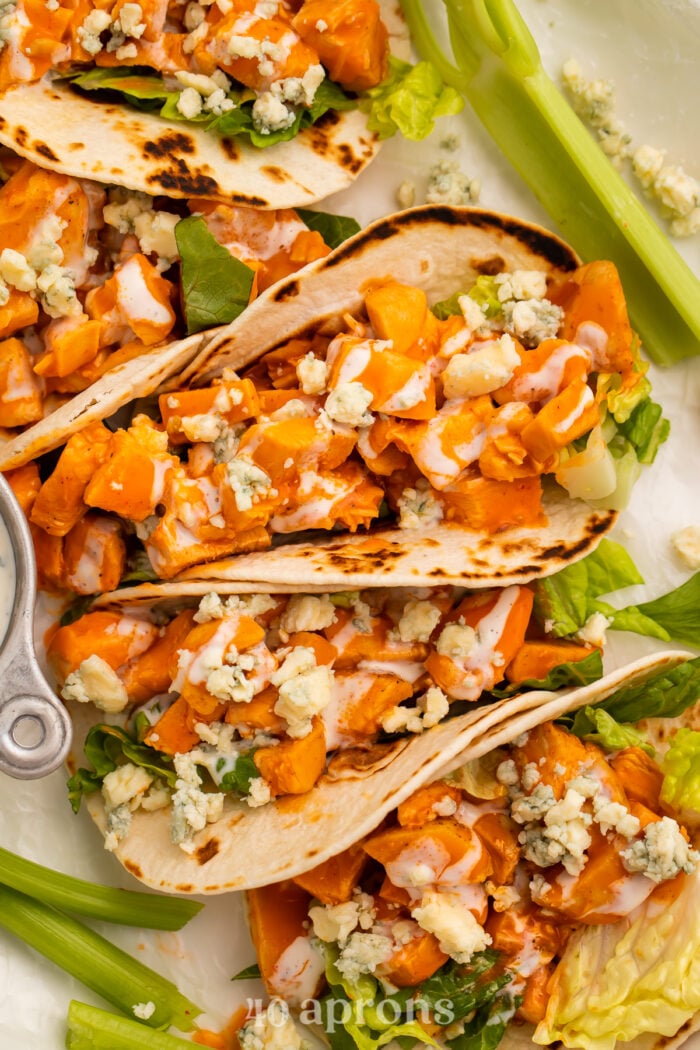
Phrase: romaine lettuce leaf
{"type": "Point", "coordinates": [563, 601]}
{"type": "Point", "coordinates": [215, 284]}
{"type": "Point", "coordinates": [606, 731]}
{"type": "Point", "coordinates": [646, 429]}
{"type": "Point", "coordinates": [335, 229]}
{"type": "Point", "coordinates": [663, 695]}
{"type": "Point", "coordinates": [146, 91]}
{"type": "Point", "coordinates": [409, 100]}
{"type": "Point", "coordinates": [620, 980]}
{"type": "Point", "coordinates": [674, 616]}
{"type": "Point", "coordinates": [681, 766]}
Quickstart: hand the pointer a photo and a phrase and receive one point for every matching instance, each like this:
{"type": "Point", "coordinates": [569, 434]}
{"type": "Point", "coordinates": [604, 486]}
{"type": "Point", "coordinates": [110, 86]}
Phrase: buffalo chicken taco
{"type": "Point", "coordinates": [448, 385]}
{"type": "Point", "coordinates": [250, 712]}
{"type": "Point", "coordinates": [98, 290]}
{"type": "Point", "coordinates": [183, 98]}
{"type": "Point", "coordinates": [544, 891]}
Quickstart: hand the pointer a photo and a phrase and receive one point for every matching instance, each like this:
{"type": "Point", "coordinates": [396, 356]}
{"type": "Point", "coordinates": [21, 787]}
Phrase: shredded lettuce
{"type": "Point", "coordinates": [681, 766]}
{"type": "Point", "coordinates": [498, 68]}
{"type": "Point", "coordinates": [409, 100]}
{"type": "Point", "coordinates": [621, 980]}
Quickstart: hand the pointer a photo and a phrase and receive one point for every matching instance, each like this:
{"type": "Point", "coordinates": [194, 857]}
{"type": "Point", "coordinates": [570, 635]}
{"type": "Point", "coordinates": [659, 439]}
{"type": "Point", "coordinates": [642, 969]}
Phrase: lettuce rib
{"type": "Point", "coordinates": [126, 907]}
{"type": "Point", "coordinates": [499, 70]}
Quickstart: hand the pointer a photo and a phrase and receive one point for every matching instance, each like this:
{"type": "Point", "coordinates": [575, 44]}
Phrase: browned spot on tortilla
{"type": "Point", "coordinates": [289, 290]}
{"type": "Point", "coordinates": [3, 122]}
{"type": "Point", "coordinates": [169, 143]}
{"type": "Point", "coordinates": [76, 145]}
{"type": "Point", "coordinates": [275, 173]}
{"type": "Point", "coordinates": [537, 240]}
{"type": "Point", "coordinates": [21, 136]}
{"type": "Point", "coordinates": [489, 267]}
{"type": "Point", "coordinates": [347, 158]}
{"type": "Point", "coordinates": [45, 151]}
{"type": "Point", "coordinates": [184, 887]}
{"type": "Point", "coordinates": [207, 852]}
{"type": "Point", "coordinates": [133, 867]}
{"type": "Point", "coordinates": [329, 119]}
{"type": "Point", "coordinates": [187, 183]}
{"type": "Point", "coordinates": [230, 148]}
{"type": "Point", "coordinates": [595, 528]}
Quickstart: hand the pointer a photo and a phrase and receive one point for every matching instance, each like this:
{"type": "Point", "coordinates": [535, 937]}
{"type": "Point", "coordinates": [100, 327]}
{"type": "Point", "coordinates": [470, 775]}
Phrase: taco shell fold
{"type": "Point", "coordinates": [248, 848]}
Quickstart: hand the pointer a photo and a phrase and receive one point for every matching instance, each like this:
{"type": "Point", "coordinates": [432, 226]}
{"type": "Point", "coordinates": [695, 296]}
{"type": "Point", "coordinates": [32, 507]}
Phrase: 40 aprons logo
{"type": "Point", "coordinates": [337, 1013]}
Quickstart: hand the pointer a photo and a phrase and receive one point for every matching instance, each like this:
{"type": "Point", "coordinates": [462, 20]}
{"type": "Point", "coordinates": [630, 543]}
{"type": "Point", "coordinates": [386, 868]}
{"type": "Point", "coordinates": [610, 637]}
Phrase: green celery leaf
{"type": "Point", "coordinates": [215, 285]}
{"type": "Point", "coordinates": [238, 779]}
{"type": "Point", "coordinates": [563, 602]}
{"type": "Point", "coordinates": [575, 673]}
{"type": "Point", "coordinates": [248, 973]}
{"type": "Point", "coordinates": [646, 429]}
{"type": "Point", "coordinates": [603, 729]}
{"type": "Point", "coordinates": [664, 695]}
{"type": "Point", "coordinates": [335, 229]}
{"type": "Point", "coordinates": [409, 101]}
{"type": "Point", "coordinates": [681, 766]}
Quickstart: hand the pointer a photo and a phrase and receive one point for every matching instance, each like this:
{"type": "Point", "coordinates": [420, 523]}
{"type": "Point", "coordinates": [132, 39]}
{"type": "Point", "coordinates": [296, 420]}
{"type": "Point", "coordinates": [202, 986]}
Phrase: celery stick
{"type": "Point", "coordinates": [503, 79]}
{"type": "Point", "coordinates": [106, 903]}
{"type": "Point", "coordinates": [92, 1029]}
{"type": "Point", "coordinates": [99, 965]}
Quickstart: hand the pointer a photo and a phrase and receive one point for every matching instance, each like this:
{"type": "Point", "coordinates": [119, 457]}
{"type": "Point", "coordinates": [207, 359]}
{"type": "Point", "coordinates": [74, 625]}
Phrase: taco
{"type": "Point", "coordinates": [355, 407]}
{"type": "Point", "coordinates": [253, 712]}
{"type": "Point", "coordinates": [251, 102]}
{"type": "Point", "coordinates": [544, 890]}
{"type": "Point", "coordinates": [97, 293]}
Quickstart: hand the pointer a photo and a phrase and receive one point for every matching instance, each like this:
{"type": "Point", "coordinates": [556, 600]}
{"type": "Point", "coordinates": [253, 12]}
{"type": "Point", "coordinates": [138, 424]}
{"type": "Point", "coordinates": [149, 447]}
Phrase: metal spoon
{"type": "Point", "coordinates": [35, 730]}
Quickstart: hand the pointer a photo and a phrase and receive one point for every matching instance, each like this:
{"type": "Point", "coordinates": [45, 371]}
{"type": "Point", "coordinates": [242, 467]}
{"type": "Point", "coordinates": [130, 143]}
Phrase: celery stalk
{"type": "Point", "coordinates": [92, 1029]}
{"type": "Point", "coordinates": [501, 74]}
{"type": "Point", "coordinates": [99, 965]}
{"type": "Point", "coordinates": [106, 903]}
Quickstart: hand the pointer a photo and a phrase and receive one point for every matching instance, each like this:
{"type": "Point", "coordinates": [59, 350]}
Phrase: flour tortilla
{"type": "Point", "coordinates": [58, 128]}
{"type": "Point", "coordinates": [434, 247]}
{"type": "Point", "coordinates": [116, 388]}
{"type": "Point", "coordinates": [441, 250]}
{"type": "Point", "coordinates": [255, 847]}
